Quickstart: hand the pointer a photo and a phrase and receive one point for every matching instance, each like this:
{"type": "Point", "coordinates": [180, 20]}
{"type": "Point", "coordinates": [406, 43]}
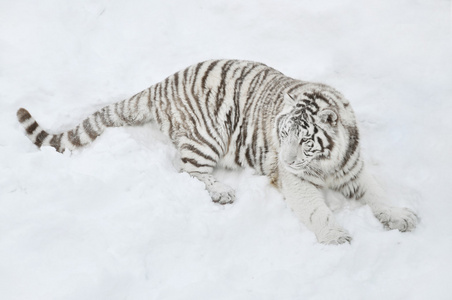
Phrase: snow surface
{"type": "Point", "coordinates": [117, 221]}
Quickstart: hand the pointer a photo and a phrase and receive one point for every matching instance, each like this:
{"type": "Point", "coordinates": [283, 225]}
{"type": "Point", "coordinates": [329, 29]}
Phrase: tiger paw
{"type": "Point", "coordinates": [333, 236]}
{"type": "Point", "coordinates": [221, 193]}
{"type": "Point", "coordinates": [400, 218]}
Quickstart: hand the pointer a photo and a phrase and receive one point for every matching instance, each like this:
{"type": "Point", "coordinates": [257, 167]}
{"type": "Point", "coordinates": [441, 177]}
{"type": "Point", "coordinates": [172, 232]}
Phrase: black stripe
{"type": "Point", "coordinates": [356, 193]}
{"type": "Point", "coordinates": [30, 129]}
{"type": "Point", "coordinates": [319, 140]}
{"type": "Point", "coordinates": [278, 126]}
{"type": "Point", "coordinates": [149, 100]}
{"type": "Point", "coordinates": [261, 159]}
{"type": "Point", "coordinates": [256, 83]}
{"type": "Point", "coordinates": [198, 152]}
{"type": "Point", "coordinates": [89, 129]}
{"type": "Point", "coordinates": [40, 138]}
{"type": "Point", "coordinates": [330, 142]}
{"type": "Point", "coordinates": [289, 91]}
{"type": "Point", "coordinates": [351, 179]}
{"type": "Point", "coordinates": [357, 161]}
{"type": "Point", "coordinates": [137, 103]}
{"type": "Point", "coordinates": [181, 108]}
{"type": "Point", "coordinates": [239, 81]}
{"type": "Point", "coordinates": [205, 142]}
{"type": "Point", "coordinates": [206, 73]}
{"type": "Point", "coordinates": [254, 145]}
{"type": "Point", "coordinates": [213, 126]}
{"type": "Point", "coordinates": [313, 212]}
{"type": "Point", "coordinates": [157, 100]}
{"type": "Point", "coordinates": [222, 86]}
{"type": "Point", "coordinates": [74, 137]}
{"type": "Point", "coordinates": [320, 96]}
{"type": "Point", "coordinates": [168, 109]}
{"type": "Point", "coordinates": [195, 163]}
{"type": "Point", "coordinates": [353, 140]}
{"type": "Point", "coordinates": [119, 111]}
{"type": "Point", "coordinates": [185, 84]}
{"type": "Point", "coordinates": [238, 146]}
{"type": "Point", "coordinates": [105, 117]}
{"type": "Point", "coordinates": [98, 121]}
{"type": "Point", "coordinates": [165, 89]}
{"type": "Point", "coordinates": [55, 142]}
{"type": "Point", "coordinates": [248, 157]}
{"type": "Point", "coordinates": [360, 194]}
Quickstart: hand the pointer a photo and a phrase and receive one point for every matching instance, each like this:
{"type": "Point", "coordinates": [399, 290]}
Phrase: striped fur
{"type": "Point", "coordinates": [233, 113]}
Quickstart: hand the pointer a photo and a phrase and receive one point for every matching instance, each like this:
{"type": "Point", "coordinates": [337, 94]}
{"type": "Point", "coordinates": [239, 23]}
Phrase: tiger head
{"type": "Point", "coordinates": [311, 130]}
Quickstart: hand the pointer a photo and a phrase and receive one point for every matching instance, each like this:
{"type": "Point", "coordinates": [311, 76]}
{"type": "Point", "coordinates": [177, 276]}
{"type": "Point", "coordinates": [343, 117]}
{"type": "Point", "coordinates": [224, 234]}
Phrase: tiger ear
{"type": "Point", "coordinates": [328, 116]}
{"type": "Point", "coordinates": [289, 100]}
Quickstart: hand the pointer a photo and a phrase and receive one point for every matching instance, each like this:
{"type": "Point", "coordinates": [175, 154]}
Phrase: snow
{"type": "Point", "coordinates": [117, 221]}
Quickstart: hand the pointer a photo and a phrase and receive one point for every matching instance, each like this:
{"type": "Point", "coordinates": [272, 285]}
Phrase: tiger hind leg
{"type": "Point", "coordinates": [200, 161]}
{"type": "Point", "coordinates": [218, 191]}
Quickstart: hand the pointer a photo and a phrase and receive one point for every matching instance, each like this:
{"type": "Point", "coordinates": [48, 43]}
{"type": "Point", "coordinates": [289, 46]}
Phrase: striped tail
{"type": "Point", "coordinates": [133, 111]}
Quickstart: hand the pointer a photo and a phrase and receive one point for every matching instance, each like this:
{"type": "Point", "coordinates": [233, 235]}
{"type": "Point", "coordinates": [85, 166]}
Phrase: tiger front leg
{"type": "Point", "coordinates": [308, 204]}
{"type": "Point", "coordinates": [392, 217]}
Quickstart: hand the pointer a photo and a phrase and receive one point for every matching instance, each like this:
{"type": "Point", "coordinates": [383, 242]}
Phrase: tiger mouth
{"type": "Point", "coordinates": [305, 168]}
{"type": "Point", "coordinates": [298, 165]}
{"type": "Point", "coordinates": [304, 164]}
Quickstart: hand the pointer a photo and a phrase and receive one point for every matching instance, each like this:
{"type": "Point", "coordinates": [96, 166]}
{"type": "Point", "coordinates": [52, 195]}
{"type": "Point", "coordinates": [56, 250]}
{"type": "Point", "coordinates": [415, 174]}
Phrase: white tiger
{"type": "Point", "coordinates": [233, 113]}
